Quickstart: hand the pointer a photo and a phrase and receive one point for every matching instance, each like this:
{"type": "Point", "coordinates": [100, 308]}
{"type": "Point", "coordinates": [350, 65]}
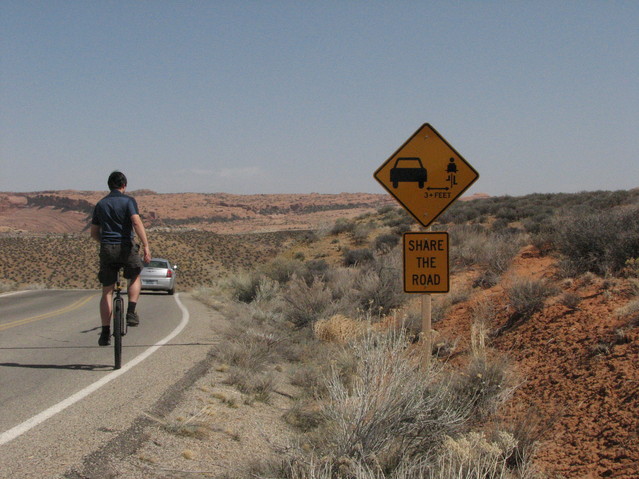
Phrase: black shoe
{"type": "Point", "coordinates": [105, 338]}
{"type": "Point", "coordinates": [132, 319]}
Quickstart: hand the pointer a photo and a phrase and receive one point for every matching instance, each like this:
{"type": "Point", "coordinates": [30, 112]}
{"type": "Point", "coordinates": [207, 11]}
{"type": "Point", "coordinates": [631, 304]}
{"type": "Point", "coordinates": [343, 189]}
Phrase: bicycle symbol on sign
{"type": "Point", "coordinates": [451, 169]}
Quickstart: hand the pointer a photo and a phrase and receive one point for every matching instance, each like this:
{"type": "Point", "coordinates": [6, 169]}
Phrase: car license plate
{"type": "Point", "coordinates": [150, 281]}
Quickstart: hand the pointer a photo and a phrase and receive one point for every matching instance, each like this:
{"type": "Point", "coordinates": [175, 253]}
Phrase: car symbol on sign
{"type": "Point", "coordinates": [408, 169]}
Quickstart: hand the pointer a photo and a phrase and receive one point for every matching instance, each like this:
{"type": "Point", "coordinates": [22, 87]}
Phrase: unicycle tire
{"type": "Point", "coordinates": [118, 319]}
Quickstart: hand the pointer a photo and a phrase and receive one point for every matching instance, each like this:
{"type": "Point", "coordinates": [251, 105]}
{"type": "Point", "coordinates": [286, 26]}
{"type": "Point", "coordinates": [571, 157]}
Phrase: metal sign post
{"type": "Point", "coordinates": [427, 337]}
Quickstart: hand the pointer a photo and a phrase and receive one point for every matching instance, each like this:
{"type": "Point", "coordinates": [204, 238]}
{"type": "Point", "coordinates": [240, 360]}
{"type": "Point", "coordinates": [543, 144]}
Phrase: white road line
{"type": "Point", "coordinates": [20, 429]}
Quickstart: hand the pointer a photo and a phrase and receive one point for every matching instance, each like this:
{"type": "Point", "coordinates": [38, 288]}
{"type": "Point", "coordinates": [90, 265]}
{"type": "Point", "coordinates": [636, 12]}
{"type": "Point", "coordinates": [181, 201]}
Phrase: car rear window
{"type": "Point", "coordinates": [157, 264]}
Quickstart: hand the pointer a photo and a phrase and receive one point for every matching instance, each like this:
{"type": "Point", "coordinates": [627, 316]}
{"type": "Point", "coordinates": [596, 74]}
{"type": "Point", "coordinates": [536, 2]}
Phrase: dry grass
{"type": "Point", "coordinates": [630, 312]}
{"type": "Point", "coordinates": [339, 329]}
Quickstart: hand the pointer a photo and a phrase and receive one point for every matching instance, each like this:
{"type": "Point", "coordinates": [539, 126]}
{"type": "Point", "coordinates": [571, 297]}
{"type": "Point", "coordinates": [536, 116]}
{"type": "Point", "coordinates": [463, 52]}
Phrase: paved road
{"type": "Point", "coordinates": [60, 397]}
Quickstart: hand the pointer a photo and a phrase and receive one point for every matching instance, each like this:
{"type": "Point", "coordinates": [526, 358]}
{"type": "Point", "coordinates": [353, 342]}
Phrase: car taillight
{"type": "Point", "coordinates": [169, 273]}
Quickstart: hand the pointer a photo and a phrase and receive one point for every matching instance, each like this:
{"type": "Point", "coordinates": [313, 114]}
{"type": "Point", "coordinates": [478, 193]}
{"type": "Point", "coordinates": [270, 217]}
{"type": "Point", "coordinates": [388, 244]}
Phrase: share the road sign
{"type": "Point", "coordinates": [426, 263]}
{"type": "Point", "coordinates": [426, 175]}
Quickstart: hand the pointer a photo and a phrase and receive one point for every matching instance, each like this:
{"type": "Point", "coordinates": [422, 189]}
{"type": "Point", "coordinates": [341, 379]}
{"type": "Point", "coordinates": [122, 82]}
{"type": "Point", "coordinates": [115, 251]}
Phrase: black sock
{"type": "Point", "coordinates": [131, 308]}
{"type": "Point", "coordinates": [106, 329]}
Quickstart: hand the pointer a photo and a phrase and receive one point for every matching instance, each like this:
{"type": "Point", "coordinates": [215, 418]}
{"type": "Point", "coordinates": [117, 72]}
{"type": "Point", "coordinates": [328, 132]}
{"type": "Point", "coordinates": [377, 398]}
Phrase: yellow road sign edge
{"type": "Point", "coordinates": [419, 220]}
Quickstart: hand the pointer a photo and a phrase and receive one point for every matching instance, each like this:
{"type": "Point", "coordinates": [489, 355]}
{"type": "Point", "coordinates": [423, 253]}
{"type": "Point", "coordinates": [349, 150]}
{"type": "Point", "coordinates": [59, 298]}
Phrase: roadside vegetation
{"type": "Point", "coordinates": [333, 311]}
{"type": "Point", "coordinates": [324, 313]}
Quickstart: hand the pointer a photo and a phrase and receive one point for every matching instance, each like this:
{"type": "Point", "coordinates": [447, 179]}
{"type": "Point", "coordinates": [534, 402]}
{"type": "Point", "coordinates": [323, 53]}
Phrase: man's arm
{"type": "Point", "coordinates": [138, 226]}
{"type": "Point", "coordinates": [95, 232]}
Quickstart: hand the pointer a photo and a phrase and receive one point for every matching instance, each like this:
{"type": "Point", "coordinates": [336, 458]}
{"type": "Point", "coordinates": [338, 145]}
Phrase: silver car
{"type": "Point", "coordinates": [159, 275]}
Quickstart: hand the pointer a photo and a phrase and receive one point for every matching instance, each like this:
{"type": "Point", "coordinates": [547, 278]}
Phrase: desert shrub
{"type": "Point", "coordinates": [304, 416]}
{"type": "Point", "coordinates": [462, 212]}
{"type": "Point", "coordinates": [570, 300]}
{"type": "Point", "coordinates": [256, 335]}
{"type": "Point", "coordinates": [473, 455]}
{"type": "Point", "coordinates": [197, 425]}
{"type": "Point", "coordinates": [486, 279]}
{"type": "Point", "coordinates": [482, 315]}
{"type": "Point", "coordinates": [282, 269]}
{"type": "Point", "coordinates": [468, 242]}
{"type": "Point", "coordinates": [499, 225]}
{"type": "Point", "coordinates": [396, 217]}
{"type": "Point", "coordinates": [543, 239]}
{"type": "Point", "coordinates": [339, 329]}
{"type": "Point", "coordinates": [258, 385]}
{"type": "Point", "coordinates": [528, 429]}
{"type": "Point", "coordinates": [403, 227]}
{"type": "Point", "coordinates": [267, 290]}
{"type": "Point", "coordinates": [309, 237]}
{"type": "Point", "coordinates": [315, 268]}
{"type": "Point", "coordinates": [630, 312]}
{"type": "Point", "coordinates": [385, 242]}
{"type": "Point", "coordinates": [245, 352]}
{"type": "Point", "coordinates": [342, 225]}
{"type": "Point", "coordinates": [383, 210]}
{"type": "Point", "coordinates": [486, 384]}
{"type": "Point", "coordinates": [392, 408]}
{"type": "Point", "coordinates": [309, 377]}
{"type": "Point", "coordinates": [439, 309]}
{"type": "Point", "coordinates": [526, 296]}
{"type": "Point", "coordinates": [304, 304]}
{"type": "Point", "coordinates": [411, 322]}
{"type": "Point", "coordinates": [500, 251]}
{"type": "Point", "coordinates": [507, 213]}
{"type": "Point", "coordinates": [361, 232]}
{"type": "Point", "coordinates": [243, 286]}
{"type": "Point", "coordinates": [379, 286]}
{"type": "Point", "coordinates": [631, 268]}
{"type": "Point", "coordinates": [534, 224]}
{"type": "Point", "coordinates": [599, 242]}
{"type": "Point", "coordinates": [474, 246]}
{"type": "Point", "coordinates": [356, 257]}
{"type": "Point", "coordinates": [341, 283]}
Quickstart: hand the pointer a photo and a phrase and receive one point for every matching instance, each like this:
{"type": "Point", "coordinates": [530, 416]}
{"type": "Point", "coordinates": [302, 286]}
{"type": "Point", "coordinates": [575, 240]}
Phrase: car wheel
{"type": "Point", "coordinates": [171, 291]}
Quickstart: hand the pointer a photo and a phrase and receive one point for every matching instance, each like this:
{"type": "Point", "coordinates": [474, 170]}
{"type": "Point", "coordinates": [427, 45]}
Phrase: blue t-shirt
{"type": "Point", "coordinates": [113, 215]}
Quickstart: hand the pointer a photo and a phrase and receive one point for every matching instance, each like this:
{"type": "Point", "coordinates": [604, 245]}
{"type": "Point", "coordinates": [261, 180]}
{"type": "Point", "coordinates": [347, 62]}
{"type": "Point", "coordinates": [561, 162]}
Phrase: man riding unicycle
{"type": "Point", "coordinates": [115, 219]}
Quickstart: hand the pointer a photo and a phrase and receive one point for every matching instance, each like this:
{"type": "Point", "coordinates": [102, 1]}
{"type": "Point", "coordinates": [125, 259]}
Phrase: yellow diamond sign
{"type": "Point", "coordinates": [426, 175]}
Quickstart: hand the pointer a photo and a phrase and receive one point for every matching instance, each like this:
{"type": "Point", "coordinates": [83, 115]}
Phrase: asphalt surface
{"type": "Point", "coordinates": [63, 409]}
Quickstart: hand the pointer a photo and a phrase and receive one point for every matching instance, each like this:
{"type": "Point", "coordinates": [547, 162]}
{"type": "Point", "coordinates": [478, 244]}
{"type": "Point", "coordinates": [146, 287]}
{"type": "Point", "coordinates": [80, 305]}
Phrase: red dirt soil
{"type": "Point", "coordinates": [579, 371]}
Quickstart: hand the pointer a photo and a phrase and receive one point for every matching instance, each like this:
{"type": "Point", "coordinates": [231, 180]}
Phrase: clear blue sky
{"type": "Point", "coordinates": [312, 96]}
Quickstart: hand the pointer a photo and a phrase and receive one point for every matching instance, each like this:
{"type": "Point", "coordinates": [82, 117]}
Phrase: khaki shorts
{"type": "Point", "coordinates": [116, 256]}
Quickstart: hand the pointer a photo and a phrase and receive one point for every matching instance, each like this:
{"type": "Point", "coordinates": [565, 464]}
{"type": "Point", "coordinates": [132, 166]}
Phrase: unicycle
{"type": "Point", "coordinates": [119, 322]}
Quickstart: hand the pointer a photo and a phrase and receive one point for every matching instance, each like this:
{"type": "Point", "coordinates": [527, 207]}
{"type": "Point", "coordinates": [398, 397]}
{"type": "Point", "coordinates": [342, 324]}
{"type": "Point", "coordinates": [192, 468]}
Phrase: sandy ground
{"type": "Point", "coordinates": [202, 428]}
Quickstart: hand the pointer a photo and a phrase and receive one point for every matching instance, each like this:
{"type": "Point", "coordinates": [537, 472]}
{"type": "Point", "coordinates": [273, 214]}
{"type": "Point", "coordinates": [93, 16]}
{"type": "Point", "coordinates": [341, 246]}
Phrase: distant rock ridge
{"type": "Point", "coordinates": [62, 202]}
{"type": "Point", "coordinates": [70, 210]}
{"type": "Point", "coordinates": [475, 196]}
